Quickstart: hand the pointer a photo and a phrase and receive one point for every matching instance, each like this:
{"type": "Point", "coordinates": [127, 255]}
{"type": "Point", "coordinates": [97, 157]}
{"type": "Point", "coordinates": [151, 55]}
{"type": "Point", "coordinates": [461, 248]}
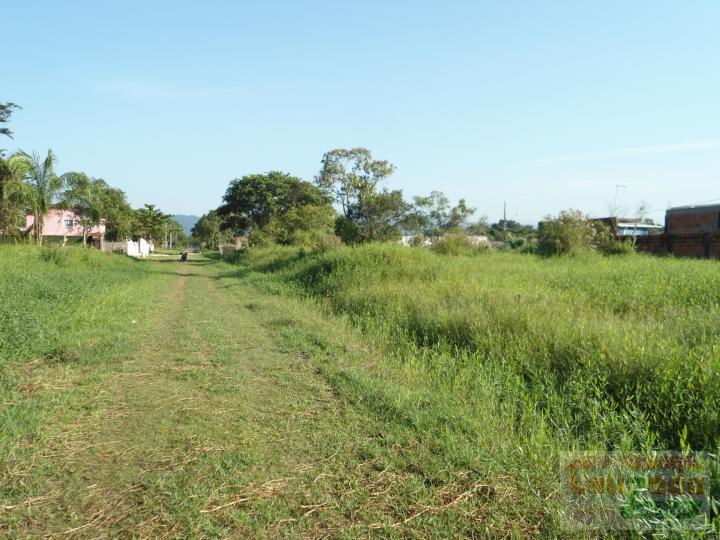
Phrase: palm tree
{"type": "Point", "coordinates": [83, 195]}
{"type": "Point", "coordinates": [13, 195]}
{"type": "Point", "coordinates": [44, 185]}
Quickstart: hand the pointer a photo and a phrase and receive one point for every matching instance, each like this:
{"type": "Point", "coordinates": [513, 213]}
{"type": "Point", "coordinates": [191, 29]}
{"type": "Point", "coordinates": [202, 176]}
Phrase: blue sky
{"type": "Point", "coordinates": [545, 105]}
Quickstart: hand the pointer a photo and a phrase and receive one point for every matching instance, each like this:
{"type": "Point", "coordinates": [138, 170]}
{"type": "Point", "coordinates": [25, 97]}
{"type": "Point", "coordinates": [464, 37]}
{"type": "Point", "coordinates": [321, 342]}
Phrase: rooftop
{"type": "Point", "coordinates": [695, 208]}
{"type": "Point", "coordinates": [630, 222]}
{"type": "Point", "coordinates": [622, 222]}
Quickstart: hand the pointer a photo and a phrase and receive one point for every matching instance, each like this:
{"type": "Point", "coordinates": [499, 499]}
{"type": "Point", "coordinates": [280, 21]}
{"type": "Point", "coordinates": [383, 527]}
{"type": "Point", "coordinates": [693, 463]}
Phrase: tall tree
{"type": "Point", "coordinates": [13, 196]}
{"type": "Point", "coordinates": [269, 203]}
{"type": "Point", "coordinates": [433, 215]}
{"type": "Point", "coordinates": [207, 230]}
{"type": "Point", "coordinates": [376, 217]}
{"type": "Point", "coordinates": [173, 232]}
{"type": "Point", "coordinates": [96, 202]}
{"type": "Point", "coordinates": [352, 178]}
{"type": "Point", "coordinates": [150, 222]}
{"type": "Point", "coordinates": [10, 181]}
{"type": "Point", "coordinates": [44, 186]}
{"type": "Point", "coordinates": [349, 174]}
{"type": "Point", "coordinates": [83, 196]}
{"type": "Point", "coordinates": [116, 211]}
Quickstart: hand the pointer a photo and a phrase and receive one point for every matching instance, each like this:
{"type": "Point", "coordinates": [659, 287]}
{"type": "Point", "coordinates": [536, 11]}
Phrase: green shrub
{"type": "Point", "coordinates": [53, 254]}
{"type": "Point", "coordinates": [455, 244]}
{"type": "Point", "coordinates": [259, 237]}
{"type": "Point", "coordinates": [347, 230]}
{"type": "Point", "coordinates": [326, 242]}
{"type": "Point", "coordinates": [617, 247]}
{"type": "Point", "coordinates": [315, 240]}
{"type": "Point", "coordinates": [570, 233]}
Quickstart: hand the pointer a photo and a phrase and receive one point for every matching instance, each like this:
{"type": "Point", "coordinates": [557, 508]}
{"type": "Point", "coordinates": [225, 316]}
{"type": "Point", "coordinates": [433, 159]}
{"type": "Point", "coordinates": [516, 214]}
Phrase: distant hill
{"type": "Point", "coordinates": [188, 222]}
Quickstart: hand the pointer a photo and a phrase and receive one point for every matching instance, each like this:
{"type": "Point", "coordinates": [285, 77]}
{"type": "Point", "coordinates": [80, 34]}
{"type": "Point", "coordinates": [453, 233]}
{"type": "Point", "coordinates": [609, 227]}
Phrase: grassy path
{"type": "Point", "coordinates": [241, 414]}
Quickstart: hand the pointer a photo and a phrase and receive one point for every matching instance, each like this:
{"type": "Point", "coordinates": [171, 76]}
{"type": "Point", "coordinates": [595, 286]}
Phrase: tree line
{"type": "Point", "coordinates": [29, 184]}
{"type": "Point", "coordinates": [345, 202]}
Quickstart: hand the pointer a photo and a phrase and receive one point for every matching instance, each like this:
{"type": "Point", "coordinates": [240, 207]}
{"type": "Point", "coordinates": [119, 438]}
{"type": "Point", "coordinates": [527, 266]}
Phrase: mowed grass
{"type": "Point", "coordinates": [529, 359]}
{"type": "Point", "coordinates": [58, 308]}
{"type": "Point", "coordinates": [65, 315]}
{"type": "Point", "coordinates": [225, 411]}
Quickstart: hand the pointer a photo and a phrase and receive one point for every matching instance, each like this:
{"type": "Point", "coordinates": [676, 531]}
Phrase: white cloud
{"type": "Point", "coordinates": [637, 151]}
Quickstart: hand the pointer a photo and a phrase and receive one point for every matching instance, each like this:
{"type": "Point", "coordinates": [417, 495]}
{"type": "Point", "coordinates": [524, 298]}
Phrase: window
{"type": "Point", "coordinates": [69, 223]}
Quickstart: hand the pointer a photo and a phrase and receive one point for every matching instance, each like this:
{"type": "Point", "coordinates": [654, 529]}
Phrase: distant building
{"type": "Point", "coordinates": [67, 224]}
{"type": "Point", "coordinates": [690, 231]}
{"type": "Point", "coordinates": [630, 226]}
{"type": "Point", "coordinates": [692, 219]}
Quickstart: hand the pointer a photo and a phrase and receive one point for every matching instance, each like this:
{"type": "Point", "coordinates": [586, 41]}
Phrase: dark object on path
{"type": "Point", "coordinates": [184, 256]}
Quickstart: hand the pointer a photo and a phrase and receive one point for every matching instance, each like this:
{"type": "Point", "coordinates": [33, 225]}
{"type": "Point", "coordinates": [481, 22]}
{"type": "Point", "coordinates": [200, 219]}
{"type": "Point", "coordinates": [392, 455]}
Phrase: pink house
{"type": "Point", "coordinates": [66, 223]}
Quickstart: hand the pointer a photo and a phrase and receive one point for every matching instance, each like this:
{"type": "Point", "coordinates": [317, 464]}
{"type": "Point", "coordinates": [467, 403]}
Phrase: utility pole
{"type": "Point", "coordinates": [504, 221]}
{"type": "Point", "coordinates": [615, 208]}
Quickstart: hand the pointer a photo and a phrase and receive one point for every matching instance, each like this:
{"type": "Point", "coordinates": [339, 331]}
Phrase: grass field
{"type": "Point", "coordinates": [619, 350]}
{"type": "Point", "coordinates": [533, 357]}
{"type": "Point", "coordinates": [364, 392]}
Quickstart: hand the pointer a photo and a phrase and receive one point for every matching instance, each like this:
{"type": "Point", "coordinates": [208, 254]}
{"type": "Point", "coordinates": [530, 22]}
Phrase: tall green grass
{"type": "Point", "coordinates": [53, 300]}
{"type": "Point", "coordinates": [610, 351]}
{"type": "Point", "coordinates": [517, 362]}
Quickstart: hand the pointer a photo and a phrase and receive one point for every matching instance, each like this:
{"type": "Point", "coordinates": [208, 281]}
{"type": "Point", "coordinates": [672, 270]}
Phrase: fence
{"type": "Point", "coordinates": [699, 245]}
{"type": "Point", "coordinates": [141, 248]}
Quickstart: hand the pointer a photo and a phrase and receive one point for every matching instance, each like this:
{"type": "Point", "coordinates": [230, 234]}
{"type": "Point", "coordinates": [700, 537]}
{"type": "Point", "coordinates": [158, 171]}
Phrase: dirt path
{"type": "Point", "coordinates": [210, 428]}
{"type": "Point", "coordinates": [239, 413]}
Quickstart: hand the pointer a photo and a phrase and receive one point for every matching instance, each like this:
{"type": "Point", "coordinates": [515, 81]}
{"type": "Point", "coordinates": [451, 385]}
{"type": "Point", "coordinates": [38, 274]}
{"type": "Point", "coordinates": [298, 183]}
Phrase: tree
{"type": "Point", "coordinates": [150, 222]}
{"type": "Point", "coordinates": [6, 109]}
{"type": "Point", "coordinates": [480, 227]}
{"type": "Point", "coordinates": [272, 206]}
{"type": "Point", "coordinates": [83, 195]}
{"type": "Point", "coordinates": [95, 201]}
{"type": "Point", "coordinates": [6, 214]}
{"type": "Point", "coordinates": [570, 233]}
{"type": "Point", "coordinates": [207, 231]}
{"type": "Point", "coordinates": [115, 209]}
{"type": "Point", "coordinates": [11, 187]}
{"type": "Point", "coordinates": [306, 225]}
{"type": "Point", "coordinates": [433, 216]}
{"type": "Point", "coordinates": [514, 233]}
{"type": "Point", "coordinates": [352, 178]}
{"type": "Point", "coordinates": [44, 186]}
{"type": "Point", "coordinates": [375, 217]}
{"type": "Point", "coordinates": [348, 175]}
{"type": "Point", "coordinates": [13, 197]}
{"type": "Point", "coordinates": [174, 233]}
